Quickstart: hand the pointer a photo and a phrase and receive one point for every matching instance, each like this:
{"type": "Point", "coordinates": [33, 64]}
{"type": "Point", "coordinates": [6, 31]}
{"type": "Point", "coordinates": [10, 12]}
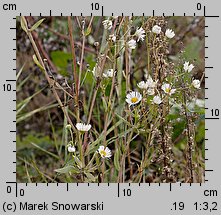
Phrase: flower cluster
{"type": "Point", "coordinates": [104, 152]}
{"type": "Point", "coordinates": [148, 85]}
{"type": "Point", "coordinates": [169, 32]}
{"type": "Point", "coordinates": [140, 35]}
{"type": "Point", "coordinates": [188, 67]}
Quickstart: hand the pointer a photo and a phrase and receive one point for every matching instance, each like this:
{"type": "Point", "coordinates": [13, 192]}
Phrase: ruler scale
{"type": "Point", "coordinates": [110, 198]}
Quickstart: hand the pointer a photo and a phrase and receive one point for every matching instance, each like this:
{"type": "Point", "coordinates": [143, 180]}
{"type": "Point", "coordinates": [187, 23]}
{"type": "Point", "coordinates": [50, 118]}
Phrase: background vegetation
{"type": "Point", "coordinates": [135, 134]}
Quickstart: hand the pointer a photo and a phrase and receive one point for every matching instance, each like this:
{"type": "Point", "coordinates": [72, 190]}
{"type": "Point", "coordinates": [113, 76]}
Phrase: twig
{"type": "Point", "coordinates": [50, 81]}
{"type": "Point", "coordinates": [190, 162]}
{"type": "Point", "coordinates": [82, 54]}
{"type": "Point", "coordinates": [65, 37]}
{"type": "Point", "coordinates": [40, 47]}
{"type": "Point", "coordinates": [76, 81]}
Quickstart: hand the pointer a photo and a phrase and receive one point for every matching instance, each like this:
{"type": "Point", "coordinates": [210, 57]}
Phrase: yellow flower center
{"type": "Point", "coordinates": [134, 99]}
{"type": "Point", "coordinates": [103, 153]}
{"type": "Point", "coordinates": [168, 90]}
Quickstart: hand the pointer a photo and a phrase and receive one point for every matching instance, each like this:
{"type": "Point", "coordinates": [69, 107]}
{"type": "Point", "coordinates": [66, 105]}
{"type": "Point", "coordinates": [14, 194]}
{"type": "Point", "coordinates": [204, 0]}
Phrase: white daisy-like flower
{"type": "Point", "coordinates": [108, 73]}
{"type": "Point", "coordinates": [196, 83]}
{"type": "Point", "coordinates": [107, 24]}
{"type": "Point", "coordinates": [142, 85]}
{"type": "Point", "coordinates": [140, 33]}
{"type": "Point", "coordinates": [112, 37]}
{"type": "Point", "coordinates": [150, 91]}
{"type": "Point", "coordinates": [188, 67]}
{"type": "Point", "coordinates": [150, 82]}
{"type": "Point", "coordinates": [167, 89]}
{"type": "Point", "coordinates": [169, 33]}
{"type": "Point", "coordinates": [71, 148]}
{"type": "Point", "coordinates": [132, 44]}
{"type": "Point", "coordinates": [157, 100]}
{"type": "Point", "coordinates": [83, 127]}
{"type": "Point", "coordinates": [156, 29]}
{"type": "Point", "coordinates": [105, 152]}
{"type": "Point", "coordinates": [133, 98]}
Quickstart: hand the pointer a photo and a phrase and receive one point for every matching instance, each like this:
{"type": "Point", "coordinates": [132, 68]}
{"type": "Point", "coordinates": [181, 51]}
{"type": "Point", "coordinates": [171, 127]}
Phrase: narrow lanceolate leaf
{"type": "Point", "coordinates": [24, 25]}
{"type": "Point", "coordinates": [67, 169]}
{"type": "Point", "coordinates": [21, 105]}
{"type": "Point", "coordinates": [116, 159]}
{"type": "Point", "coordinates": [22, 117]}
{"type": "Point", "coordinates": [36, 24]}
{"type": "Point", "coordinates": [37, 62]}
{"type": "Point", "coordinates": [44, 150]}
{"type": "Point", "coordinates": [88, 31]}
{"type": "Point", "coordinates": [78, 162]}
{"type": "Point", "coordinates": [90, 177]}
{"type": "Point", "coordinates": [104, 104]}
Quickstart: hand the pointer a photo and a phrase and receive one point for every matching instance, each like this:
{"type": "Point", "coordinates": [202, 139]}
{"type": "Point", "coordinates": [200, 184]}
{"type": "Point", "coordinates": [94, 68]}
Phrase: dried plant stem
{"type": "Point", "coordinates": [148, 54]}
{"type": "Point", "coordinates": [99, 78]}
{"type": "Point", "coordinates": [144, 162]}
{"type": "Point", "coordinates": [82, 55]}
{"type": "Point", "coordinates": [80, 148]}
{"type": "Point", "coordinates": [65, 37]}
{"type": "Point", "coordinates": [129, 163]}
{"type": "Point", "coordinates": [50, 81]}
{"type": "Point", "coordinates": [162, 128]}
{"type": "Point", "coordinates": [110, 98]}
{"type": "Point", "coordinates": [40, 47]}
{"type": "Point", "coordinates": [121, 174]}
{"type": "Point", "coordinates": [127, 56]}
{"type": "Point", "coordinates": [102, 170]}
{"type": "Point", "coordinates": [189, 150]}
{"type": "Point", "coordinates": [75, 76]}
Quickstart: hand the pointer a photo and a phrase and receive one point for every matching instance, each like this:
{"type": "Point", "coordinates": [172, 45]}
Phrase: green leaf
{"type": "Point", "coordinates": [116, 159]}
{"type": "Point", "coordinates": [37, 62]}
{"type": "Point", "coordinates": [108, 89]}
{"type": "Point", "coordinates": [67, 169]}
{"type": "Point", "coordinates": [92, 146]}
{"type": "Point", "coordinates": [21, 117]}
{"type": "Point", "coordinates": [78, 162]}
{"type": "Point", "coordinates": [192, 50]}
{"type": "Point", "coordinates": [88, 31]}
{"type": "Point", "coordinates": [36, 24]}
{"type": "Point", "coordinates": [104, 104]}
{"type": "Point", "coordinates": [39, 171]}
{"type": "Point", "coordinates": [60, 59]}
{"type": "Point", "coordinates": [90, 177]}
{"type": "Point", "coordinates": [24, 25]}
{"type": "Point", "coordinates": [44, 150]}
{"type": "Point", "coordinates": [20, 71]}
{"type": "Point", "coordinates": [21, 105]}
